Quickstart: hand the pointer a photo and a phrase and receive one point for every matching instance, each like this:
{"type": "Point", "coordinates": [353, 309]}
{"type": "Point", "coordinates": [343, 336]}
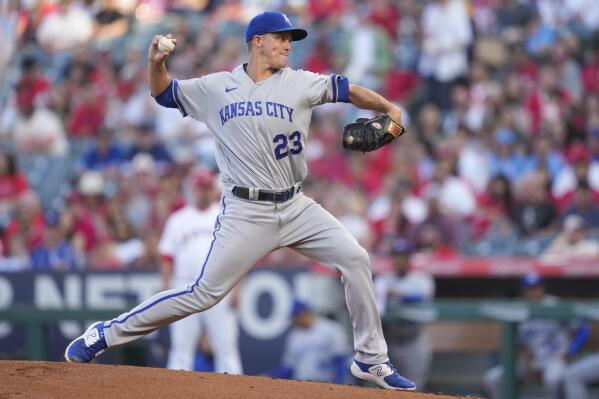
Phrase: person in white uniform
{"type": "Point", "coordinates": [260, 115]}
{"type": "Point", "coordinates": [185, 239]}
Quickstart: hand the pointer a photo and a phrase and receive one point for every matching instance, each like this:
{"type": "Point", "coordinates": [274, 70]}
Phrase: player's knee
{"type": "Point", "coordinates": [205, 298]}
{"type": "Point", "coordinates": [553, 380]}
{"type": "Point", "coordinates": [357, 257]}
{"type": "Point", "coordinates": [571, 374]}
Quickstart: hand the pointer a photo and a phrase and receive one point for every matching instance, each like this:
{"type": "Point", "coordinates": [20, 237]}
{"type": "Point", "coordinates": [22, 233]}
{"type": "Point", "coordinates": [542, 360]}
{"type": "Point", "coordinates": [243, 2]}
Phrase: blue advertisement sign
{"type": "Point", "coordinates": [264, 306]}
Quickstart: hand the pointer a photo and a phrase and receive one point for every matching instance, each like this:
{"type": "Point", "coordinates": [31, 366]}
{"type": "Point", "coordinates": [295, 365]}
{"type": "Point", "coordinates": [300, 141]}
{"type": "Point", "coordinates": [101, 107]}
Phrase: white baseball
{"type": "Point", "coordinates": [166, 45]}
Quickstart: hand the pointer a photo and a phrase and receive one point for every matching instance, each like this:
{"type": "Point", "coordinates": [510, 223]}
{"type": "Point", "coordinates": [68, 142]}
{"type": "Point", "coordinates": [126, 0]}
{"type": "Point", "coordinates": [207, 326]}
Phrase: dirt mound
{"type": "Point", "coordinates": [22, 379]}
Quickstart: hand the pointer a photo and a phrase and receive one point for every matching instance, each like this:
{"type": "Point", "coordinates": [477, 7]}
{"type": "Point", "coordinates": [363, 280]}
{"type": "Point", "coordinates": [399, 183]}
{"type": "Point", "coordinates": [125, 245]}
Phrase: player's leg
{"type": "Point", "coordinates": [223, 332]}
{"type": "Point", "coordinates": [239, 242]}
{"type": "Point", "coordinates": [184, 335]}
{"type": "Point", "coordinates": [553, 373]}
{"type": "Point", "coordinates": [314, 232]}
{"type": "Point", "coordinates": [579, 375]}
{"type": "Point", "coordinates": [244, 232]}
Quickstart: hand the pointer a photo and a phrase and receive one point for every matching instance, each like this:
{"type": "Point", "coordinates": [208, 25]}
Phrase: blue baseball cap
{"type": "Point", "coordinates": [298, 307]}
{"type": "Point", "coordinates": [401, 246]}
{"type": "Point", "coordinates": [52, 218]}
{"type": "Point", "coordinates": [531, 280]}
{"type": "Point", "coordinates": [271, 22]}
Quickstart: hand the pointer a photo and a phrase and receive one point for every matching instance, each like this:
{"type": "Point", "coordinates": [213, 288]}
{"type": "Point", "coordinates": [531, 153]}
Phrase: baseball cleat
{"type": "Point", "coordinates": [88, 346]}
{"type": "Point", "coordinates": [384, 375]}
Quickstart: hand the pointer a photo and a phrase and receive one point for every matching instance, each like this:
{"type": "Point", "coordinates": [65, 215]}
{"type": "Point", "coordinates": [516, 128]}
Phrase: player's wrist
{"type": "Point", "coordinates": [394, 113]}
{"type": "Point", "coordinates": [158, 65]}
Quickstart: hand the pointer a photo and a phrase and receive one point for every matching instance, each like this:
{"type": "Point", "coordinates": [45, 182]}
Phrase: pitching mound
{"type": "Point", "coordinates": [22, 379]}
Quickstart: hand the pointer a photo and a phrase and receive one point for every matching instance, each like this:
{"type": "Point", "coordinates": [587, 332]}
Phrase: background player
{"type": "Point", "coordinates": [316, 348]}
{"type": "Point", "coordinates": [409, 345]}
{"type": "Point", "coordinates": [260, 114]}
{"type": "Point", "coordinates": [544, 344]}
{"type": "Point", "coordinates": [186, 238]}
{"type": "Point", "coordinates": [581, 376]}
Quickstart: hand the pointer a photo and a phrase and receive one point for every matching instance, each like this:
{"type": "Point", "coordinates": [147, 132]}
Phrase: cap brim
{"type": "Point", "coordinates": [296, 34]}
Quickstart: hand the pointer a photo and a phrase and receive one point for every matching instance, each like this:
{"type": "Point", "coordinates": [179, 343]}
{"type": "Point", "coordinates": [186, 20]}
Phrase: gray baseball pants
{"type": "Point", "coordinates": [247, 230]}
{"type": "Point", "coordinates": [580, 375]}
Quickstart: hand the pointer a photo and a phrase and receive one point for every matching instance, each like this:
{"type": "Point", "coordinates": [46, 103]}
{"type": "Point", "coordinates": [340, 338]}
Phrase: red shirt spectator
{"type": "Point", "coordinates": [590, 76]}
{"type": "Point", "coordinates": [12, 186]}
{"type": "Point", "coordinates": [325, 9]}
{"type": "Point", "coordinates": [32, 80]}
{"type": "Point", "coordinates": [28, 221]}
{"type": "Point", "coordinates": [33, 231]}
{"type": "Point", "coordinates": [330, 167]}
{"type": "Point", "coordinates": [38, 86]}
{"type": "Point", "coordinates": [385, 14]}
{"type": "Point", "coordinates": [368, 171]}
{"type": "Point", "coordinates": [541, 107]}
{"type": "Point", "coordinates": [328, 162]}
{"type": "Point", "coordinates": [320, 58]}
{"type": "Point", "coordinates": [12, 182]}
{"type": "Point", "coordinates": [87, 117]}
{"type": "Point", "coordinates": [400, 84]}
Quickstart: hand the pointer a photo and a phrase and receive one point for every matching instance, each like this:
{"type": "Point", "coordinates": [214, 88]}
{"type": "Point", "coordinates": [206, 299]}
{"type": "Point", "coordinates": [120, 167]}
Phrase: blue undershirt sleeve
{"type": "Point", "coordinates": [582, 334]}
{"type": "Point", "coordinates": [340, 88]}
{"type": "Point", "coordinates": [169, 97]}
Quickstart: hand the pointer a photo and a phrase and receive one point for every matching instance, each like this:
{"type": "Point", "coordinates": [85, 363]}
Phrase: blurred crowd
{"type": "Point", "coordinates": [501, 101]}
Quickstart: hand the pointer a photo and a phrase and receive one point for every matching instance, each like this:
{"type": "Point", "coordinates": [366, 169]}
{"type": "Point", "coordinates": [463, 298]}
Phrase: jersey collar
{"type": "Point", "coordinates": [240, 71]}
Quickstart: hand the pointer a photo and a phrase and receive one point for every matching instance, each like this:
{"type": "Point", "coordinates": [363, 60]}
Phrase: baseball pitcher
{"type": "Point", "coordinates": [260, 115]}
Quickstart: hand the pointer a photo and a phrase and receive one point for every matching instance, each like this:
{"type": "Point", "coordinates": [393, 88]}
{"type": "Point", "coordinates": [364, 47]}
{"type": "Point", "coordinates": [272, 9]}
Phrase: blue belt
{"type": "Point", "coordinates": [265, 195]}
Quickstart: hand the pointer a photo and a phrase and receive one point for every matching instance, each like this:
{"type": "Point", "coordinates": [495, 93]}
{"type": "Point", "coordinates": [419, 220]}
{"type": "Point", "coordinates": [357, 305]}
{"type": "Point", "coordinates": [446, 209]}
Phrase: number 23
{"type": "Point", "coordinates": [282, 150]}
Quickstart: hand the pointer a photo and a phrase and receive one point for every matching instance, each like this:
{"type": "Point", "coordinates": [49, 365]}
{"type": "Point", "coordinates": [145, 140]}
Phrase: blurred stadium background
{"type": "Point", "coordinates": [497, 178]}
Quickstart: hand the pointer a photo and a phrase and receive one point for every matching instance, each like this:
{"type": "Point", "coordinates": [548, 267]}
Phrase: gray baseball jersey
{"type": "Point", "coordinates": [261, 128]}
{"type": "Point", "coordinates": [261, 134]}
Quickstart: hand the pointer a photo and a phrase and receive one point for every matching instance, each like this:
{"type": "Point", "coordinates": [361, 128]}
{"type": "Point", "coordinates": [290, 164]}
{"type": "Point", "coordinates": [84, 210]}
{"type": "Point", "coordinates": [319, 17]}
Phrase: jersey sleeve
{"type": "Point", "coordinates": [191, 97]}
{"type": "Point", "coordinates": [325, 88]}
{"type": "Point", "coordinates": [166, 245]}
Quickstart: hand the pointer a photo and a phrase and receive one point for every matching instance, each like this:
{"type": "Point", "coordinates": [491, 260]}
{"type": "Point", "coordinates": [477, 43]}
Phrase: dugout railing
{"type": "Point", "coordinates": [508, 313]}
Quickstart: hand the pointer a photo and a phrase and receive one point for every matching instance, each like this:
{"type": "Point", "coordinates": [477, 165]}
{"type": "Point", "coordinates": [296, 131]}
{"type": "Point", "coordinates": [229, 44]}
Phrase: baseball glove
{"type": "Point", "coordinates": [367, 135]}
